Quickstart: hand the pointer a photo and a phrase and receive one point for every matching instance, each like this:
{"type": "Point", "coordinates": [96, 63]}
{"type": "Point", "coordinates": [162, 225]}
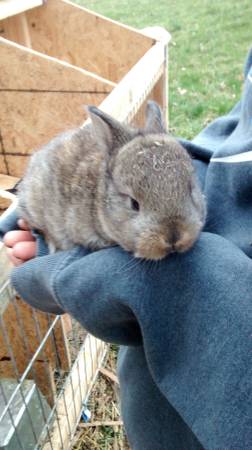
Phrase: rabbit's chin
{"type": "Point", "coordinates": [153, 256]}
{"type": "Point", "coordinates": [155, 247]}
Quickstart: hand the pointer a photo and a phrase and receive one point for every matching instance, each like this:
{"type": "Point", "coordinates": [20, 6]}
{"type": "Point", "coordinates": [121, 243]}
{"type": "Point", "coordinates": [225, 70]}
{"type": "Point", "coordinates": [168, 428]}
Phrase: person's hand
{"type": "Point", "coordinates": [20, 244]}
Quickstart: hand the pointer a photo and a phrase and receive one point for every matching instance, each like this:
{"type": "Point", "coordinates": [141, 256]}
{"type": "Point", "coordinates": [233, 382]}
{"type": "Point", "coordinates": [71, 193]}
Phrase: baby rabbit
{"type": "Point", "coordinates": [108, 183]}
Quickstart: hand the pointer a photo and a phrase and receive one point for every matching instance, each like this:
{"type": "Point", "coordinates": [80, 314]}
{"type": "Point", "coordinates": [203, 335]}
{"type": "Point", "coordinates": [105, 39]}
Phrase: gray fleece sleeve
{"type": "Point", "coordinates": [76, 282]}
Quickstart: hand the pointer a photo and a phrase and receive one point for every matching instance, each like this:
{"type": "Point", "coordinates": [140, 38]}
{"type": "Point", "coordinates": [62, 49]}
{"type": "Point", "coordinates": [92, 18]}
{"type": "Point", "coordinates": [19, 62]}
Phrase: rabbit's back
{"type": "Point", "coordinates": [57, 194]}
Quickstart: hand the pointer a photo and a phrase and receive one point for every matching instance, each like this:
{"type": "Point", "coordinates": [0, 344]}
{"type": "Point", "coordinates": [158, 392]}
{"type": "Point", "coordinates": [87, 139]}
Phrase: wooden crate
{"type": "Point", "coordinates": [56, 57]}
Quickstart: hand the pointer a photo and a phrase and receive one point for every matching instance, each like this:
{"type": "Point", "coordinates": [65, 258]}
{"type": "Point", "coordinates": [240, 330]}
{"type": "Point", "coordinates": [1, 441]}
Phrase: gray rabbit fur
{"type": "Point", "coordinates": [108, 183]}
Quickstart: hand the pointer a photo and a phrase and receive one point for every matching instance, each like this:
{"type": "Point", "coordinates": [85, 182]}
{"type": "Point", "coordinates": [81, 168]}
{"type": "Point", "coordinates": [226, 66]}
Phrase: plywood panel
{"type": "Point", "coordinates": [40, 97]}
{"type": "Point", "coordinates": [7, 200]}
{"type": "Point", "coordinates": [18, 29]}
{"type": "Point", "coordinates": [17, 164]}
{"type": "Point", "coordinates": [4, 204]}
{"type": "Point", "coordinates": [130, 94]}
{"type": "Point", "coordinates": [37, 118]}
{"type": "Point", "coordinates": [25, 69]}
{"type": "Point", "coordinates": [41, 373]}
{"type": "Point", "coordinates": [3, 166]}
{"type": "Point", "coordinates": [11, 7]}
{"type": "Point", "coordinates": [23, 330]}
{"type": "Point", "coordinates": [7, 182]}
{"type": "Point", "coordinates": [85, 39]}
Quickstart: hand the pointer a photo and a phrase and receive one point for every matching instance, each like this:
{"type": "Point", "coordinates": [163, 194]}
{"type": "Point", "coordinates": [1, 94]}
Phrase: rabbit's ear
{"type": "Point", "coordinates": [110, 133]}
{"type": "Point", "coordinates": [154, 122]}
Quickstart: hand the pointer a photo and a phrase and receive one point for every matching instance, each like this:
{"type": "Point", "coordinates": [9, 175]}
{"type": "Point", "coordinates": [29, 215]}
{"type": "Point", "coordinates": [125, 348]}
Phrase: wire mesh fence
{"type": "Point", "coordinates": [47, 367]}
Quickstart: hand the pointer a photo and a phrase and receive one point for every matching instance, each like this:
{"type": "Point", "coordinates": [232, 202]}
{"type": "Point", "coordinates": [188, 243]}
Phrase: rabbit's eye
{"type": "Point", "coordinates": [134, 204]}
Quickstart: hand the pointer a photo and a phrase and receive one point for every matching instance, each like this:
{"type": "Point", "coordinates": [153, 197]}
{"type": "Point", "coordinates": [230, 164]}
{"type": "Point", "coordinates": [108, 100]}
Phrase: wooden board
{"type": "Point", "coordinates": [4, 204]}
{"type": "Point", "coordinates": [7, 182]}
{"type": "Point", "coordinates": [129, 95]}
{"type": "Point", "coordinates": [24, 336]}
{"type": "Point", "coordinates": [6, 292]}
{"type": "Point", "coordinates": [18, 29]}
{"type": "Point", "coordinates": [6, 198]}
{"type": "Point", "coordinates": [24, 342]}
{"type": "Point", "coordinates": [14, 164]}
{"type": "Point", "coordinates": [41, 373]}
{"type": "Point", "coordinates": [2, 162]}
{"type": "Point", "coordinates": [85, 39]}
{"type": "Point", "coordinates": [26, 69]}
{"type": "Point", "coordinates": [8, 202]}
{"type": "Point", "coordinates": [38, 118]}
{"type": "Point", "coordinates": [41, 97]}
{"type": "Point", "coordinates": [157, 93]}
{"type": "Point", "coordinates": [11, 7]}
{"type": "Point", "coordinates": [76, 389]}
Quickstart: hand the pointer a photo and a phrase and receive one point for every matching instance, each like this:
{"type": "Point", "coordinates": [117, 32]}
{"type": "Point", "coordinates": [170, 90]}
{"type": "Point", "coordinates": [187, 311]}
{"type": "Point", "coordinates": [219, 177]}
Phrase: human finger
{"type": "Point", "coordinates": [25, 250]}
{"type": "Point", "coordinates": [12, 258]}
{"type": "Point", "coordinates": [13, 237]}
{"type": "Point", "coordinates": [23, 224]}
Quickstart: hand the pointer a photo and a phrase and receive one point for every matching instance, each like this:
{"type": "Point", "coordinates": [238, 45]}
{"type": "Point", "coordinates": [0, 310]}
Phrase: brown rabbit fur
{"type": "Point", "coordinates": [107, 183]}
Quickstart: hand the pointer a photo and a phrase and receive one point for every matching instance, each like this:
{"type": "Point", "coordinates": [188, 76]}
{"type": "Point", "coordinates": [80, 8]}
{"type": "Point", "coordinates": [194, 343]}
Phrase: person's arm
{"type": "Point", "coordinates": [81, 284]}
{"type": "Point", "coordinates": [58, 283]}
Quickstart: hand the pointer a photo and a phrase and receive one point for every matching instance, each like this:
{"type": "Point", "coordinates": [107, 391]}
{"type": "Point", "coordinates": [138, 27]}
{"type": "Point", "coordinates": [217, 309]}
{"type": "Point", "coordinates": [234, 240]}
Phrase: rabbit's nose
{"type": "Point", "coordinates": [184, 243]}
{"type": "Point", "coordinates": [174, 237]}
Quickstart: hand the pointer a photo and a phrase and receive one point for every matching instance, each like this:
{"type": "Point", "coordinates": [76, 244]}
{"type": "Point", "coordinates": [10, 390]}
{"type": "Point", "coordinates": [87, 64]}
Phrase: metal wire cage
{"type": "Point", "coordinates": [48, 363]}
{"type": "Point", "coordinates": [47, 367]}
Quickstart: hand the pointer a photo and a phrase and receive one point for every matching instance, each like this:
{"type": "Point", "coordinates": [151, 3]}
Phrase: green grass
{"type": "Point", "coordinates": [210, 39]}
